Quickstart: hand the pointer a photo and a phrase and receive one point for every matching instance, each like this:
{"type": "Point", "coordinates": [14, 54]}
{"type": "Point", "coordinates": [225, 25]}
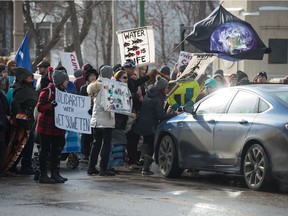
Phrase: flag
{"type": "Point", "coordinates": [22, 56]}
{"type": "Point", "coordinates": [232, 38]}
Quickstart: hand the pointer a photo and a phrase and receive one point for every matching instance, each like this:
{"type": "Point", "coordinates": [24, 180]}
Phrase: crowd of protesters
{"type": "Point", "coordinates": [29, 104]}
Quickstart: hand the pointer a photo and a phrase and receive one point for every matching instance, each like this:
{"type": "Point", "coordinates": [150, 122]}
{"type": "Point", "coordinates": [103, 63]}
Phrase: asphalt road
{"type": "Point", "coordinates": [129, 194]}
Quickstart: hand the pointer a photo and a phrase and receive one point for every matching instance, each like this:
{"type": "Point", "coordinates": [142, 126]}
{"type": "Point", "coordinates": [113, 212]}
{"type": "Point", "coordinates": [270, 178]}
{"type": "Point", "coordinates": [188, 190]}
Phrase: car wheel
{"type": "Point", "coordinates": [168, 158]}
{"type": "Point", "coordinates": [256, 167]}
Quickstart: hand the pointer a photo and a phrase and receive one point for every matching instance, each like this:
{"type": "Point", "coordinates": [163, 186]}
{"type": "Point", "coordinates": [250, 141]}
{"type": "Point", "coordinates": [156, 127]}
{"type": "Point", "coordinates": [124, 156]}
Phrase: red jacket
{"type": "Point", "coordinates": [45, 121]}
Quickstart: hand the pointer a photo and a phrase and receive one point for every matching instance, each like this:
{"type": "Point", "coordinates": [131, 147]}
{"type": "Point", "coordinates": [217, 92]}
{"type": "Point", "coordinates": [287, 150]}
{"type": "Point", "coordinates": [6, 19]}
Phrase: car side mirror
{"type": "Point", "coordinates": [189, 109]}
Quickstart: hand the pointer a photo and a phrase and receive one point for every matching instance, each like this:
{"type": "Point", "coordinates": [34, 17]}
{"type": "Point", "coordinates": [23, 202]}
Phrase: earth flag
{"type": "Point", "coordinates": [232, 38]}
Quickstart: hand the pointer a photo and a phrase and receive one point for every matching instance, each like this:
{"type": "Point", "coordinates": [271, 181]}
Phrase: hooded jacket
{"type": "Point", "coordinates": [151, 113]}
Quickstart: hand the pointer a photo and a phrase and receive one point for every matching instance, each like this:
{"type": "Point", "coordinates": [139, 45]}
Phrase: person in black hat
{"type": "Point", "coordinates": [242, 78]}
{"type": "Point", "coordinates": [23, 104]}
{"type": "Point", "coordinates": [262, 77]}
{"type": "Point", "coordinates": [44, 80]}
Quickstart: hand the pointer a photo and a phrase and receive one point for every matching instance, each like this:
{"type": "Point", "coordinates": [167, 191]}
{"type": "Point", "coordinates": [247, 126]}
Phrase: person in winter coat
{"type": "Point", "coordinates": [102, 123]}
{"type": "Point", "coordinates": [119, 141]}
{"type": "Point", "coordinates": [87, 139]}
{"type": "Point", "coordinates": [80, 81]}
{"type": "Point", "coordinates": [52, 139]}
{"type": "Point", "coordinates": [152, 111]}
{"type": "Point", "coordinates": [209, 87]}
{"type": "Point", "coordinates": [23, 104]}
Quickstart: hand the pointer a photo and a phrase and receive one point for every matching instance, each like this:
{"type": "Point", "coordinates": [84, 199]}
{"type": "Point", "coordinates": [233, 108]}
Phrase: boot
{"type": "Point", "coordinates": [148, 160]}
{"type": "Point", "coordinates": [45, 179]}
{"type": "Point", "coordinates": [57, 171]}
{"type": "Point", "coordinates": [56, 177]}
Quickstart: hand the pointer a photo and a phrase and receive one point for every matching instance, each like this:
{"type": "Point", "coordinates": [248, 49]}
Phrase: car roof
{"type": "Point", "coordinates": [263, 88]}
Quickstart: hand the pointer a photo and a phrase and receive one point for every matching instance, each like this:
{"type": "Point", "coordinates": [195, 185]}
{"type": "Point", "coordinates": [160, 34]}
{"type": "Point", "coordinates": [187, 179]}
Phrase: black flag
{"type": "Point", "coordinates": [232, 38]}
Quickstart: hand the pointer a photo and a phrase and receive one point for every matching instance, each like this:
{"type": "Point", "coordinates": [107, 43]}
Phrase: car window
{"type": "Point", "coordinates": [263, 106]}
{"type": "Point", "coordinates": [216, 103]}
{"type": "Point", "coordinates": [244, 102]}
{"type": "Point", "coordinates": [282, 96]}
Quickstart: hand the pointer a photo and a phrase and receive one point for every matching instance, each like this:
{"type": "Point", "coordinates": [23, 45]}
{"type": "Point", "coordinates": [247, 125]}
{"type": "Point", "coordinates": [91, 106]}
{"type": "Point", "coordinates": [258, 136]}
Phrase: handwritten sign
{"type": "Point", "coordinates": [69, 61]}
{"type": "Point", "coordinates": [197, 65]}
{"type": "Point", "coordinates": [184, 59]}
{"type": "Point", "coordinates": [116, 97]}
{"type": "Point", "coordinates": [71, 112]}
{"type": "Point", "coordinates": [137, 44]}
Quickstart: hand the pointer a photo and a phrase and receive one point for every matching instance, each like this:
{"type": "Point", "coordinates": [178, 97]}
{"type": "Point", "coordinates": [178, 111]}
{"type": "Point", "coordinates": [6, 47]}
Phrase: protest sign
{"type": "Point", "coordinates": [197, 66]}
{"type": "Point", "coordinates": [184, 59]}
{"type": "Point", "coordinates": [137, 44]}
{"type": "Point", "coordinates": [71, 112]}
{"type": "Point", "coordinates": [69, 61]}
{"type": "Point", "coordinates": [116, 97]}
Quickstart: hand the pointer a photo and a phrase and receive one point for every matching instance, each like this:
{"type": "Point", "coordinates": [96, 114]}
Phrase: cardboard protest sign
{"type": "Point", "coordinates": [197, 66]}
{"type": "Point", "coordinates": [69, 61]}
{"type": "Point", "coordinates": [116, 97]}
{"type": "Point", "coordinates": [184, 59]}
{"type": "Point", "coordinates": [137, 44]}
{"type": "Point", "coordinates": [71, 112]}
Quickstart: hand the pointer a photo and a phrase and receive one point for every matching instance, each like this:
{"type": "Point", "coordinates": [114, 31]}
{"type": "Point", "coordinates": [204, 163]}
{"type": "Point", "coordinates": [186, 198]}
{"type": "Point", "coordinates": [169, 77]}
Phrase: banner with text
{"type": "Point", "coordinates": [197, 66]}
{"type": "Point", "coordinates": [116, 97]}
{"type": "Point", "coordinates": [71, 112]}
{"type": "Point", "coordinates": [137, 44]}
{"type": "Point", "coordinates": [69, 61]}
{"type": "Point", "coordinates": [184, 59]}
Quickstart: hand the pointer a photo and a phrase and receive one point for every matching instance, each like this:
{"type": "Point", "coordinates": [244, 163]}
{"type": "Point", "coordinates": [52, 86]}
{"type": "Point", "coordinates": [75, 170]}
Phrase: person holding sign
{"type": "Point", "coordinates": [185, 94]}
{"type": "Point", "coordinates": [102, 123]}
{"type": "Point", "coordinates": [52, 139]}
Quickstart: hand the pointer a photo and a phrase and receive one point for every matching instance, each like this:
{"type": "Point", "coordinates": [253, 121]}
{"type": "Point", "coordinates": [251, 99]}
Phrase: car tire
{"type": "Point", "coordinates": [256, 168]}
{"type": "Point", "coordinates": [168, 158]}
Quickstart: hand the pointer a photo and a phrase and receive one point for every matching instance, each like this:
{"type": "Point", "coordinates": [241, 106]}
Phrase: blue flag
{"type": "Point", "coordinates": [22, 56]}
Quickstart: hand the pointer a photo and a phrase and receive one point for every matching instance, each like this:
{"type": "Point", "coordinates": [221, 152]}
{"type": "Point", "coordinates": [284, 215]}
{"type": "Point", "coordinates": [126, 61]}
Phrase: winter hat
{"type": "Point", "coordinates": [106, 71]}
{"type": "Point", "coordinates": [129, 64]}
{"type": "Point", "coordinates": [21, 73]}
{"type": "Point", "coordinates": [85, 67]}
{"type": "Point", "coordinates": [89, 72]}
{"type": "Point", "coordinates": [10, 63]}
{"type": "Point", "coordinates": [262, 73]}
{"type": "Point", "coordinates": [61, 68]}
{"type": "Point", "coordinates": [240, 75]}
{"type": "Point", "coordinates": [182, 68]}
{"type": "Point", "coordinates": [77, 73]}
{"type": "Point", "coordinates": [50, 72]}
{"type": "Point", "coordinates": [160, 83]}
{"type": "Point", "coordinates": [165, 70]}
{"type": "Point", "coordinates": [117, 67]}
{"type": "Point", "coordinates": [44, 64]}
{"type": "Point", "coordinates": [219, 71]}
{"type": "Point", "coordinates": [210, 83]}
{"type": "Point", "coordinates": [59, 77]}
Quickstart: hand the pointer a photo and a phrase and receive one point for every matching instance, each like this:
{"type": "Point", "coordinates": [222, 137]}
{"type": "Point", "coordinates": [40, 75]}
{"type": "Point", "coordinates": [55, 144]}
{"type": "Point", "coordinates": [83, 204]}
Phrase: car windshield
{"type": "Point", "coordinates": [282, 96]}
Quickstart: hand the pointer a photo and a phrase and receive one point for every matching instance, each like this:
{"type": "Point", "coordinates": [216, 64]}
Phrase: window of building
{"type": "Point", "coordinates": [279, 53]}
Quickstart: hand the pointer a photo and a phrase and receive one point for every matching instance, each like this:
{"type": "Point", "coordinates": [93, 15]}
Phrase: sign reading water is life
{"type": "Point", "coordinates": [71, 112]}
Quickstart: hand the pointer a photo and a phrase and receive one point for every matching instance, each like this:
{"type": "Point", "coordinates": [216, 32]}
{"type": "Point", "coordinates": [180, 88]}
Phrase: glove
{"type": "Point", "coordinates": [21, 116]}
{"type": "Point", "coordinates": [152, 73]}
{"type": "Point", "coordinates": [54, 103]}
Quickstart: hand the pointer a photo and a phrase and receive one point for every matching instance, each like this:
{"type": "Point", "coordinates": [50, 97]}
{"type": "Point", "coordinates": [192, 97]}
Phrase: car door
{"type": "Point", "coordinates": [232, 128]}
{"type": "Point", "coordinates": [196, 131]}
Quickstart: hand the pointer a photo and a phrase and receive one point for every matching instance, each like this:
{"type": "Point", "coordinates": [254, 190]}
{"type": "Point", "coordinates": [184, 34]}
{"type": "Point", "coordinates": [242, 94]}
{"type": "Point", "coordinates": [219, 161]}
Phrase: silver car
{"type": "Point", "coordinates": [241, 130]}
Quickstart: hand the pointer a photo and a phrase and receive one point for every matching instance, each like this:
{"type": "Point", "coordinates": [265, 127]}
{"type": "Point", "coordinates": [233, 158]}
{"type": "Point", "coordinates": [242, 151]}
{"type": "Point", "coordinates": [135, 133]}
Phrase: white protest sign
{"type": "Point", "coordinates": [137, 44]}
{"type": "Point", "coordinates": [184, 58]}
{"type": "Point", "coordinates": [197, 66]}
{"type": "Point", "coordinates": [69, 61]}
{"type": "Point", "coordinates": [116, 97]}
{"type": "Point", "coordinates": [71, 112]}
